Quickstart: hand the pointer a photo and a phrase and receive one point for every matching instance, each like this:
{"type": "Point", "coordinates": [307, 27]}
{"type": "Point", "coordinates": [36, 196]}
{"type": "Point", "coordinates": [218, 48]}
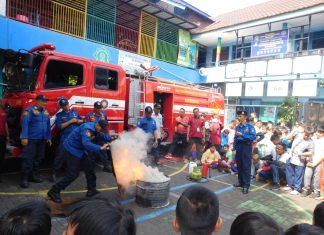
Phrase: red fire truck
{"type": "Point", "coordinates": [83, 81]}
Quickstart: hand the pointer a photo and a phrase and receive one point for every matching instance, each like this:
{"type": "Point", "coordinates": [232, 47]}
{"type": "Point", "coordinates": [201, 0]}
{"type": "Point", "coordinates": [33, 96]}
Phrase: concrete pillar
{"type": "Point", "coordinates": [3, 7]}
{"type": "Point", "coordinates": [218, 51]}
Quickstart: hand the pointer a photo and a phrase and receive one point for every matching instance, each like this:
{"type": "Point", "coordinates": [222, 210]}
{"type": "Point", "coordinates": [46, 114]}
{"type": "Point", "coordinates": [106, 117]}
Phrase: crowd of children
{"type": "Point", "coordinates": [197, 213]}
{"type": "Point", "coordinates": [290, 158]}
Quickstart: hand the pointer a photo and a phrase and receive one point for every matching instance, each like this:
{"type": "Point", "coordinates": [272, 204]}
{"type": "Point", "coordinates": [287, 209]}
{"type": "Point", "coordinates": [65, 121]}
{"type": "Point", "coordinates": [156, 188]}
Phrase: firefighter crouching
{"type": "Point", "coordinates": [66, 121]}
{"type": "Point", "coordinates": [95, 116]}
{"type": "Point", "coordinates": [36, 132]}
{"type": "Point", "coordinates": [76, 146]}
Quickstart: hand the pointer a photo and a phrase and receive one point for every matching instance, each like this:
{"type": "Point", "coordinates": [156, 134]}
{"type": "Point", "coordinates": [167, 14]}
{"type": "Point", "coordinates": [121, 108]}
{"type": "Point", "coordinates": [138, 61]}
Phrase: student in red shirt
{"type": "Point", "coordinates": [215, 132]}
{"type": "Point", "coordinates": [180, 133]}
{"type": "Point", "coordinates": [3, 136]}
{"type": "Point", "coordinates": [196, 133]}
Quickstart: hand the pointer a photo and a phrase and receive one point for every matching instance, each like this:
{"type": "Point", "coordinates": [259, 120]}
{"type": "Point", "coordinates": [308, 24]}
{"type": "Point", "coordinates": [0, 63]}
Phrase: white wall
{"type": "Point", "coordinates": [3, 7]}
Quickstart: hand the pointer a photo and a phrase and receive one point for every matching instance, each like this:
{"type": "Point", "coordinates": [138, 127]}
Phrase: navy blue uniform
{"type": "Point", "coordinates": [94, 117]}
{"type": "Point", "coordinates": [36, 128]}
{"type": "Point", "coordinates": [148, 125]}
{"type": "Point", "coordinates": [243, 157]}
{"type": "Point", "coordinates": [61, 118]}
{"type": "Point", "coordinates": [77, 144]}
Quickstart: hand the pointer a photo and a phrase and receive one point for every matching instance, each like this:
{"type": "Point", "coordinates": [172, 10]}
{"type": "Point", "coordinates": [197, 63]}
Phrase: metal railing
{"type": "Point", "coordinates": [68, 20]}
{"type": "Point", "coordinates": [33, 12]}
{"type": "Point", "coordinates": [265, 58]}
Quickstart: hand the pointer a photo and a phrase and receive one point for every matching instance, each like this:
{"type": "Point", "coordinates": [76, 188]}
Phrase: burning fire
{"type": "Point", "coordinates": [129, 152]}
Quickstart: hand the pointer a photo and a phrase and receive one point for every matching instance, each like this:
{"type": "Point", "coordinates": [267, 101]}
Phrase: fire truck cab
{"type": "Point", "coordinates": [84, 81]}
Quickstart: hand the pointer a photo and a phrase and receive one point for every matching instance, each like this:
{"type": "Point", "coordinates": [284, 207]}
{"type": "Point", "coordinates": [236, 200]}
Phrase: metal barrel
{"type": "Point", "coordinates": [151, 194]}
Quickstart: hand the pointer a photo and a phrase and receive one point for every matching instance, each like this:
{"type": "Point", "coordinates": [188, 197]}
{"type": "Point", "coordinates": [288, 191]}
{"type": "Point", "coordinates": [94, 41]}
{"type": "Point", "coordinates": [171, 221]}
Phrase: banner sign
{"type": "Point", "coordinates": [131, 62]}
{"type": "Point", "coordinates": [278, 88]}
{"type": "Point", "coordinates": [270, 43]}
{"type": "Point", "coordinates": [268, 114]}
{"type": "Point", "coordinates": [187, 50]}
{"type": "Point", "coordinates": [233, 89]}
{"type": "Point", "coordinates": [305, 88]}
{"type": "Point", "coordinates": [254, 88]}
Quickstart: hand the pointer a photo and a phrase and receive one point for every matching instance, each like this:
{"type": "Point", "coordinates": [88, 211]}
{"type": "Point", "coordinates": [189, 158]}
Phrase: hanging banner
{"type": "Point", "coordinates": [270, 43]}
{"type": "Point", "coordinates": [254, 88]}
{"type": "Point", "coordinates": [278, 88]}
{"type": "Point", "coordinates": [187, 50]}
{"type": "Point", "coordinates": [233, 89]}
{"type": "Point", "coordinates": [305, 88]}
{"type": "Point", "coordinates": [131, 62]}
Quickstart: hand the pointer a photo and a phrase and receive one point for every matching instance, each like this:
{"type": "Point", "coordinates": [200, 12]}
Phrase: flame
{"type": "Point", "coordinates": [138, 172]}
{"type": "Point", "coordinates": [124, 163]}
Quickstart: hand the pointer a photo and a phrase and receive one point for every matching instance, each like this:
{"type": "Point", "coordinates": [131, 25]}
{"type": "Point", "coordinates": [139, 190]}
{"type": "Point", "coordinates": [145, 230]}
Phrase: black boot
{"type": "Point", "coordinates": [24, 180]}
{"type": "Point", "coordinates": [107, 168]}
{"type": "Point", "coordinates": [92, 192]}
{"type": "Point", "coordinates": [54, 194]}
{"type": "Point", "coordinates": [34, 177]}
{"type": "Point", "coordinates": [53, 177]}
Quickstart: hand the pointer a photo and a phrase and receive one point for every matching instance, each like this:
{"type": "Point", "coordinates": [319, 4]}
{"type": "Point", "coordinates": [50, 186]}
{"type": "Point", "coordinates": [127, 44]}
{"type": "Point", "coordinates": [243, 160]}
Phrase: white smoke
{"type": "Point", "coordinates": [129, 152]}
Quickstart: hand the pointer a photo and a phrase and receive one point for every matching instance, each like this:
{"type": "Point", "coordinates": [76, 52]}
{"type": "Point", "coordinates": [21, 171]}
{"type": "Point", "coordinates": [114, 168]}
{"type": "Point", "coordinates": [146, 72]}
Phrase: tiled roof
{"type": "Point", "coordinates": [258, 12]}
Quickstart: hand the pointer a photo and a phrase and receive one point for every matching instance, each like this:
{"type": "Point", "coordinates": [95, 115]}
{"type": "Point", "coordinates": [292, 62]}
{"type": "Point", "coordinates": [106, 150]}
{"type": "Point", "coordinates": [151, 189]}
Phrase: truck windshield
{"type": "Point", "coordinates": [18, 77]}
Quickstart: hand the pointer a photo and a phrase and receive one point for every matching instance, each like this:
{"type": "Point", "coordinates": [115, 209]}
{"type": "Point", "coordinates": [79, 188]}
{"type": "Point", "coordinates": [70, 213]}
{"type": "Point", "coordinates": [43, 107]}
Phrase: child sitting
{"type": "Point", "coordinates": [256, 163]}
{"type": "Point", "coordinates": [230, 155]}
{"type": "Point", "coordinates": [264, 173]}
{"type": "Point", "coordinates": [224, 164]}
{"type": "Point", "coordinates": [211, 157]}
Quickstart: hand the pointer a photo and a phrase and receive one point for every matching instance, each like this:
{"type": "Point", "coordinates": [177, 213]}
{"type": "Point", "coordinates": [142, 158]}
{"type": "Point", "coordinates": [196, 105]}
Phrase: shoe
{"type": "Point", "coordinates": [238, 185]}
{"type": "Point", "coordinates": [168, 156]}
{"type": "Point", "coordinates": [305, 193]}
{"type": "Point", "coordinates": [92, 192]}
{"type": "Point", "coordinates": [24, 181]}
{"type": "Point", "coordinates": [33, 177]}
{"type": "Point", "coordinates": [54, 194]}
{"type": "Point", "coordinates": [286, 188]}
{"type": "Point", "coordinates": [315, 195]}
{"type": "Point", "coordinates": [53, 177]}
{"type": "Point", "coordinates": [294, 192]}
{"type": "Point", "coordinates": [107, 168]}
{"type": "Point", "coordinates": [245, 190]}
{"type": "Point", "coordinates": [275, 186]}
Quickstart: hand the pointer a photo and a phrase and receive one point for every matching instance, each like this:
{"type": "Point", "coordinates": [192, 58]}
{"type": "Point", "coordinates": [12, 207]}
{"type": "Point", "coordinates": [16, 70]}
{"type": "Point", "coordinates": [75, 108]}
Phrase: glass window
{"type": "Point", "coordinates": [106, 79]}
{"type": "Point", "coordinates": [62, 74]}
{"type": "Point", "coordinates": [246, 51]}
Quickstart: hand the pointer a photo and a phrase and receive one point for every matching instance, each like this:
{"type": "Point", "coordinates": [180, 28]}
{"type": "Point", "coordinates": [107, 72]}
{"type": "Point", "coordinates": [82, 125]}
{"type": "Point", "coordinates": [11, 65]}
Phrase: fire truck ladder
{"type": "Point", "coordinates": [136, 103]}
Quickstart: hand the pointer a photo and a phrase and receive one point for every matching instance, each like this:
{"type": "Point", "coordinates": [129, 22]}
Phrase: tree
{"type": "Point", "coordinates": [286, 110]}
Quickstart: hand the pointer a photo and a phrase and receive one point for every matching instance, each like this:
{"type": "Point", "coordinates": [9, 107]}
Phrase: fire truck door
{"type": "Point", "coordinates": [166, 101]}
{"type": "Point", "coordinates": [65, 78]}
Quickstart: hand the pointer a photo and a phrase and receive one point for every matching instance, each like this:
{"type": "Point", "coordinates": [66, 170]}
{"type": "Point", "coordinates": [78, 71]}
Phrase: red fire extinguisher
{"type": "Point", "coordinates": [204, 170]}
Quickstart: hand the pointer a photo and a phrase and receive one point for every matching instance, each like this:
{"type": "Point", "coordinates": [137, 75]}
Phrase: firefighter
{"type": "Point", "coordinates": [36, 132]}
{"type": "Point", "coordinates": [95, 116]}
{"type": "Point", "coordinates": [148, 125]}
{"type": "Point", "coordinates": [66, 121]}
{"type": "Point", "coordinates": [76, 146]}
{"type": "Point", "coordinates": [244, 137]}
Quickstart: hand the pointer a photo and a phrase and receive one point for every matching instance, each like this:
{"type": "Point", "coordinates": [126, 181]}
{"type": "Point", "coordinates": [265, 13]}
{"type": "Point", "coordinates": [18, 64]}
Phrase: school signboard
{"type": "Point", "coordinates": [187, 50]}
{"type": "Point", "coordinates": [270, 43]}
